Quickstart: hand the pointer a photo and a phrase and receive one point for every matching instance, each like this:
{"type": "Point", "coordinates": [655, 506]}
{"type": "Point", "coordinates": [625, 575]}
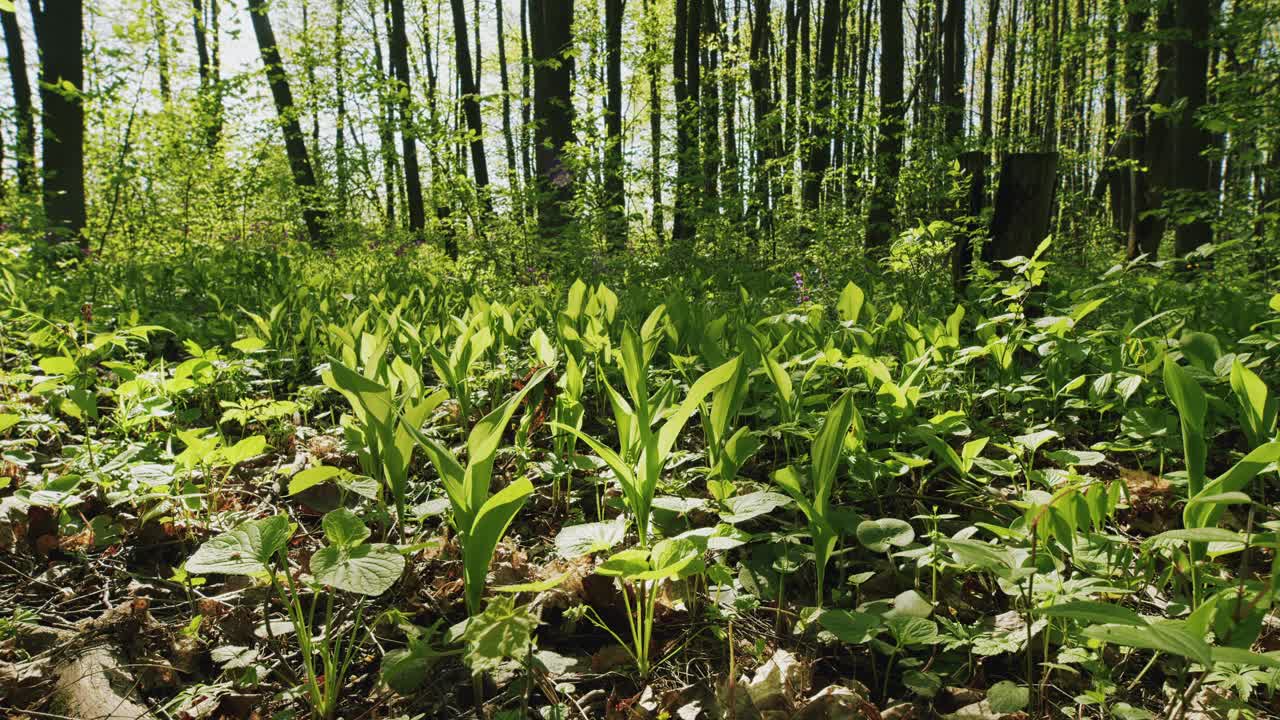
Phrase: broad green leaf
{"type": "Point", "coordinates": [880, 535]}
{"type": "Point", "coordinates": [1090, 611]}
{"type": "Point", "coordinates": [1199, 535]}
{"type": "Point", "coordinates": [675, 423]}
{"type": "Point", "coordinates": [503, 631]}
{"type": "Point", "coordinates": [849, 306]}
{"type": "Point", "coordinates": [243, 450]}
{"type": "Point", "coordinates": [909, 631]}
{"type": "Point", "coordinates": [625, 564]}
{"type": "Point", "coordinates": [245, 550]}
{"type": "Point", "coordinates": [672, 557]}
{"type": "Point", "coordinates": [1007, 697]}
{"type": "Point", "coordinates": [1257, 408]}
{"type": "Point", "coordinates": [8, 420]}
{"type": "Point", "coordinates": [491, 523]}
{"type": "Point", "coordinates": [1164, 637]}
{"type": "Point", "coordinates": [1240, 656]}
{"type": "Point", "coordinates": [58, 365]}
{"type": "Point", "coordinates": [311, 477]}
{"type": "Point", "coordinates": [1203, 514]}
{"type": "Point", "coordinates": [574, 541]}
{"type": "Point", "coordinates": [741, 508]}
{"type": "Point", "coordinates": [1189, 399]}
{"type": "Point", "coordinates": [910, 603]}
{"type": "Point", "coordinates": [828, 448]}
{"type": "Point", "coordinates": [850, 626]}
{"type": "Point", "coordinates": [344, 528]}
{"type": "Point", "coordinates": [534, 587]}
{"type": "Point", "coordinates": [364, 569]}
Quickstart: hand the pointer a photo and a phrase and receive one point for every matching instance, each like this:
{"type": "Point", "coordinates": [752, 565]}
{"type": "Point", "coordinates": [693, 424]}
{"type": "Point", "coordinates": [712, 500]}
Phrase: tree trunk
{"type": "Point", "coordinates": [766, 120]}
{"type": "Point", "coordinates": [731, 174]}
{"type": "Point", "coordinates": [386, 126]}
{"type": "Point", "coordinates": [686, 79]}
{"type": "Point", "coordinates": [889, 129]}
{"type": "Point", "coordinates": [1194, 18]}
{"type": "Point", "coordinates": [551, 33]}
{"type": "Point", "coordinates": [25, 132]}
{"type": "Point", "coordinates": [1024, 205]}
{"type": "Point", "coordinates": [209, 97]}
{"type": "Point", "coordinates": [526, 99]}
{"type": "Point", "coordinates": [614, 191]}
{"type": "Point", "coordinates": [313, 213]}
{"type": "Point", "coordinates": [341, 171]}
{"type": "Point", "coordinates": [398, 50]}
{"type": "Point", "coordinates": [1007, 121]}
{"type": "Point", "coordinates": [507, 136]}
{"type": "Point", "coordinates": [655, 117]}
{"type": "Point", "coordinates": [989, 70]}
{"type": "Point", "coordinates": [710, 113]}
{"type": "Point", "coordinates": [59, 26]}
{"type": "Point", "coordinates": [470, 101]}
{"type": "Point", "coordinates": [162, 50]}
{"type": "Point", "coordinates": [952, 79]}
{"type": "Point", "coordinates": [820, 131]}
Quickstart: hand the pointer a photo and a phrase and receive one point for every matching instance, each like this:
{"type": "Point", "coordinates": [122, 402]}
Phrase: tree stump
{"type": "Point", "coordinates": [1024, 205]}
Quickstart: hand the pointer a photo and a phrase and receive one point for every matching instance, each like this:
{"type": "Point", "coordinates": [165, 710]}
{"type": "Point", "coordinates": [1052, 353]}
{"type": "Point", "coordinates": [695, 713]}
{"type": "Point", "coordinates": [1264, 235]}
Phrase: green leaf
{"type": "Point", "coordinates": [625, 564]}
{"type": "Point", "coordinates": [249, 344]}
{"type": "Point", "coordinates": [243, 450]}
{"type": "Point", "coordinates": [58, 365]}
{"type": "Point", "coordinates": [344, 528]}
{"type": "Point", "coordinates": [1257, 409]}
{"type": "Point", "coordinates": [1163, 637]}
{"type": "Point", "coordinates": [534, 587]}
{"type": "Point", "coordinates": [849, 306]}
{"type": "Point", "coordinates": [1189, 399]}
{"type": "Point", "coordinates": [850, 626]}
{"type": "Point", "coordinates": [880, 535]}
{"type": "Point", "coordinates": [1240, 656]}
{"type": "Point", "coordinates": [1202, 514]}
{"type": "Point", "coordinates": [1199, 535]}
{"type": "Point", "coordinates": [574, 541]}
{"type": "Point", "coordinates": [482, 539]}
{"type": "Point", "coordinates": [1090, 611]}
{"type": "Point", "coordinates": [504, 630]}
{"type": "Point", "coordinates": [913, 631]}
{"type": "Point", "coordinates": [311, 477]}
{"type": "Point", "coordinates": [828, 448]}
{"type": "Point", "coordinates": [742, 508]}
{"type": "Point", "coordinates": [364, 569]}
{"type": "Point", "coordinates": [8, 420]}
{"type": "Point", "coordinates": [245, 550]}
{"type": "Point", "coordinates": [1007, 697]}
{"type": "Point", "coordinates": [673, 557]}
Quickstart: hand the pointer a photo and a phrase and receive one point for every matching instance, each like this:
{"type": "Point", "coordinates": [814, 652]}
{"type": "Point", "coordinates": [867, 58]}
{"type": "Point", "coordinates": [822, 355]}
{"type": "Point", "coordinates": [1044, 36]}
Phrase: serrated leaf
{"type": "Point", "coordinates": [363, 569]}
{"type": "Point", "coordinates": [245, 550]}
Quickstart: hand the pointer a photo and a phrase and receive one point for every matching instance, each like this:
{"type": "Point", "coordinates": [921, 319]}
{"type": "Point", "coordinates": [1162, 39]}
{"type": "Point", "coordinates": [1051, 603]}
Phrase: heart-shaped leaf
{"type": "Point", "coordinates": [246, 550]}
{"type": "Point", "coordinates": [363, 569]}
{"type": "Point", "coordinates": [880, 535]}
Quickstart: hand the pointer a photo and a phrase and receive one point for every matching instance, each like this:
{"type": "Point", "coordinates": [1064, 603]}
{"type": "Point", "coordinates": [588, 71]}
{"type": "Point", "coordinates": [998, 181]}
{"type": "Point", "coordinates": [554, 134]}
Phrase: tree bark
{"type": "Point", "coordinates": [819, 140]}
{"type": "Point", "coordinates": [507, 136]}
{"type": "Point", "coordinates": [1194, 18]}
{"type": "Point", "coordinates": [952, 80]}
{"type": "Point", "coordinates": [655, 118]}
{"type": "Point", "coordinates": [1024, 205]}
{"type": "Point", "coordinates": [313, 213]}
{"type": "Point", "coordinates": [614, 191]}
{"type": "Point", "coordinates": [989, 70]}
{"type": "Point", "coordinates": [889, 129]}
{"type": "Point", "coordinates": [25, 132]}
{"type": "Point", "coordinates": [470, 101]}
{"type": "Point", "coordinates": [162, 50]}
{"type": "Point", "coordinates": [59, 26]}
{"type": "Point", "coordinates": [398, 50]}
{"type": "Point", "coordinates": [765, 115]}
{"type": "Point", "coordinates": [551, 33]}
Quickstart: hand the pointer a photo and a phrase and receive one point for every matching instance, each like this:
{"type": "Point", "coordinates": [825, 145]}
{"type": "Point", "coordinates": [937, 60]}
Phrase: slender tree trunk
{"type": "Point", "coordinates": [684, 90]}
{"type": "Point", "coordinates": [766, 120]}
{"type": "Point", "coordinates": [614, 191]}
{"type": "Point", "coordinates": [162, 50]}
{"type": "Point", "coordinates": [25, 132]}
{"type": "Point", "coordinates": [1194, 19]}
{"type": "Point", "coordinates": [710, 113]}
{"type": "Point", "coordinates": [889, 140]}
{"type": "Point", "coordinates": [732, 174]}
{"type": "Point", "coordinates": [59, 26]}
{"type": "Point", "coordinates": [551, 33]}
{"type": "Point", "coordinates": [1145, 227]}
{"type": "Point", "coordinates": [655, 116]}
{"type": "Point", "coordinates": [819, 140]}
{"type": "Point", "coordinates": [304, 178]}
{"type": "Point", "coordinates": [470, 101]}
{"type": "Point", "coordinates": [952, 91]}
{"type": "Point", "coordinates": [386, 125]}
{"type": "Point", "coordinates": [341, 171]}
{"type": "Point", "coordinates": [507, 136]}
{"type": "Point", "coordinates": [402, 84]}
{"type": "Point", "coordinates": [526, 90]}
{"type": "Point", "coordinates": [989, 70]}
{"type": "Point", "coordinates": [1007, 120]}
